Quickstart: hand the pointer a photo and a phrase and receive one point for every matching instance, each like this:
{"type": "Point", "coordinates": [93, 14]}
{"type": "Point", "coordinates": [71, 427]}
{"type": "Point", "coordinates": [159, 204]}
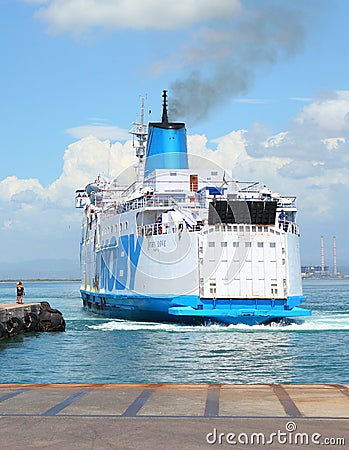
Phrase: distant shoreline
{"type": "Point", "coordinates": [41, 280]}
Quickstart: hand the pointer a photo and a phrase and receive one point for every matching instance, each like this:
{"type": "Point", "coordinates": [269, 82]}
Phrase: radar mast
{"type": "Point", "coordinates": [139, 130]}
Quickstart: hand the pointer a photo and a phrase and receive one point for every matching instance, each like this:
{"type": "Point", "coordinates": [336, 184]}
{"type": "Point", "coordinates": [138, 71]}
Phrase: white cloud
{"type": "Point", "coordinates": [13, 186]}
{"type": "Point", "coordinates": [85, 160]}
{"type": "Point", "coordinates": [328, 114]}
{"type": "Point", "coordinates": [80, 15]}
{"type": "Point", "coordinates": [317, 133]}
{"type": "Point", "coordinates": [112, 133]}
{"type": "Point", "coordinates": [333, 143]}
{"type": "Point", "coordinates": [275, 141]}
{"type": "Point", "coordinates": [295, 170]}
{"type": "Point", "coordinates": [230, 148]}
{"type": "Point", "coordinates": [41, 222]}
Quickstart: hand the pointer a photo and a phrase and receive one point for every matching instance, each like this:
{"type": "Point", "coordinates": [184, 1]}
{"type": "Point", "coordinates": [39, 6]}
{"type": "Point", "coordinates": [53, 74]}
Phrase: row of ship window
{"type": "Point", "coordinates": [114, 228]}
{"type": "Point", "coordinates": [243, 228]}
{"type": "Point", "coordinates": [237, 244]}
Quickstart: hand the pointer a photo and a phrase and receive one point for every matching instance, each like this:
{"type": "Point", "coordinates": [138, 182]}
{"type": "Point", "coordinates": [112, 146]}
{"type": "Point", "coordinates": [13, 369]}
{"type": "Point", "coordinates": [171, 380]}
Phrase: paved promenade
{"type": "Point", "coordinates": [119, 416]}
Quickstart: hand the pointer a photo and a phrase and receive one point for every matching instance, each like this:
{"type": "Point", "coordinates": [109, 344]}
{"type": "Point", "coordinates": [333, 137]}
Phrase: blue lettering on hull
{"type": "Point", "coordinates": [119, 262]}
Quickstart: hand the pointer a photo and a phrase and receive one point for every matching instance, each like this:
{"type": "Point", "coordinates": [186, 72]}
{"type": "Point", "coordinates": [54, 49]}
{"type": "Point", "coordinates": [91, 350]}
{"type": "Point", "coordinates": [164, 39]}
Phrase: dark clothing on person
{"type": "Point", "coordinates": [282, 220]}
{"type": "Point", "coordinates": [282, 217]}
{"type": "Point", "coordinates": [20, 292]}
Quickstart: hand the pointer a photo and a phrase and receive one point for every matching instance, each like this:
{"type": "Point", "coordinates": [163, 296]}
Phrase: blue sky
{"type": "Point", "coordinates": [73, 72]}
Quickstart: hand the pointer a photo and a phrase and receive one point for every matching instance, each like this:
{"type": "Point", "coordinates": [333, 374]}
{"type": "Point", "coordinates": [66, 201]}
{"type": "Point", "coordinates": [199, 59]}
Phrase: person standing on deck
{"type": "Point", "coordinates": [20, 292]}
{"type": "Point", "coordinates": [282, 220]}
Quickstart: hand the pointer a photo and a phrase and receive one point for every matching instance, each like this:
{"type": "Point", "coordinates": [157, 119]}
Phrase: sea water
{"type": "Point", "coordinates": [94, 349]}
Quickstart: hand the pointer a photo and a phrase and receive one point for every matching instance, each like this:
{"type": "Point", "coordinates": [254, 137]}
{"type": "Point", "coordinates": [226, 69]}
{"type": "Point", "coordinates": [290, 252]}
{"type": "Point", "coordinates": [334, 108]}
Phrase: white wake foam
{"type": "Point", "coordinates": [321, 322]}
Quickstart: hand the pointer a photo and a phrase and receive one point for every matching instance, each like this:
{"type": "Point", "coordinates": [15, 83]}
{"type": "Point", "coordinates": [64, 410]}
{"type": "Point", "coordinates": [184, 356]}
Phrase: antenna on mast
{"type": "Point", "coordinates": [139, 130]}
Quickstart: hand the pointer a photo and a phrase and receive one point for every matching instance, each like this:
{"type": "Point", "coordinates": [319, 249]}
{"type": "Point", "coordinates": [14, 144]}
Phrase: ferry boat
{"type": "Point", "coordinates": [187, 244]}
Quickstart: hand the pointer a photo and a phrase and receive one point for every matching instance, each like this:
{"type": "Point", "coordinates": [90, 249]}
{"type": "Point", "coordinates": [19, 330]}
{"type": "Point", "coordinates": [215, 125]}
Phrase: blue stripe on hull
{"type": "Point", "coordinates": [190, 310]}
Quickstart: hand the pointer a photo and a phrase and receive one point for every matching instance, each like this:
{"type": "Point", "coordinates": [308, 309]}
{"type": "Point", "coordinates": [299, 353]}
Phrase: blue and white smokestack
{"type": "Point", "coordinates": [166, 144]}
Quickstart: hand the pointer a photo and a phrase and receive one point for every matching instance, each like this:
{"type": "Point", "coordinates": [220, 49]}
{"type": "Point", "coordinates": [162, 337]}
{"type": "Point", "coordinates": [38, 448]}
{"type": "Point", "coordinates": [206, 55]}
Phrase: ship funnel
{"type": "Point", "coordinates": [166, 144]}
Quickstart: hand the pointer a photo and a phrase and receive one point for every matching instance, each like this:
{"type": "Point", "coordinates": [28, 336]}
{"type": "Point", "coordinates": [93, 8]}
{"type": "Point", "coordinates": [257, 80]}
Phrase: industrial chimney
{"type": "Point", "coordinates": [322, 257]}
{"type": "Point", "coordinates": [334, 256]}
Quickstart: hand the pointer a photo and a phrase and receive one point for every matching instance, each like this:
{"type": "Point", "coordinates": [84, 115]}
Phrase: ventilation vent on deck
{"type": "Point", "coordinates": [256, 212]}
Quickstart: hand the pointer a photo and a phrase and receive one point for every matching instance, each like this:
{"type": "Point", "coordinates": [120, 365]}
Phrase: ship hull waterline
{"type": "Point", "coordinates": [164, 310]}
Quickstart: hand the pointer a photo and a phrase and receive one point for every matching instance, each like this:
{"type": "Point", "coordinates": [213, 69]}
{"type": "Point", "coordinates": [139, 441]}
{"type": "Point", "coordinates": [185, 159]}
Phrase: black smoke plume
{"type": "Point", "coordinates": [225, 57]}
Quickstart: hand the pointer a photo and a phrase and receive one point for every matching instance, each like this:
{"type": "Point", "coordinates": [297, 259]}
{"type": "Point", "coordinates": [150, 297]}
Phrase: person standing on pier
{"type": "Point", "coordinates": [20, 292]}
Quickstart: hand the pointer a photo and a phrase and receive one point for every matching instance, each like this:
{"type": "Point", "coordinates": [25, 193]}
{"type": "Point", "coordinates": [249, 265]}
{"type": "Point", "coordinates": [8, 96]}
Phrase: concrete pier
{"type": "Point", "coordinates": [18, 309]}
{"type": "Point", "coordinates": [18, 318]}
{"type": "Point", "coordinates": [120, 416]}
